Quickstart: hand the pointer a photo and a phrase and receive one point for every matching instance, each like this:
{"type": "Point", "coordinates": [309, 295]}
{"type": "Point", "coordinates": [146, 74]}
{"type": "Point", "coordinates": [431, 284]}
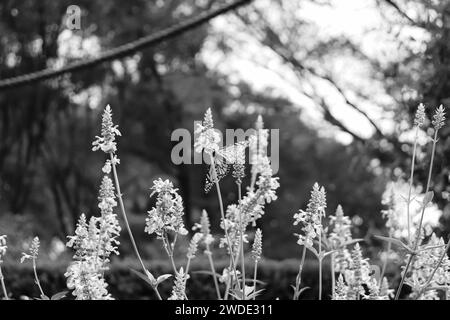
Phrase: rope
{"type": "Point", "coordinates": [123, 50]}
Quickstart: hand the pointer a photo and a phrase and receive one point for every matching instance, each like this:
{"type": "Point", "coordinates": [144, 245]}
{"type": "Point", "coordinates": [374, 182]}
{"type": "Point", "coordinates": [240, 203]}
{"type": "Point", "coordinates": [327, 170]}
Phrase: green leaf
{"type": "Point", "coordinates": [206, 272]}
{"type": "Point", "coordinates": [351, 242]}
{"type": "Point", "coordinates": [59, 295]}
{"type": "Point", "coordinates": [145, 278]}
{"type": "Point", "coordinates": [313, 250]}
{"type": "Point", "coordinates": [396, 242]}
{"type": "Point", "coordinates": [431, 247]}
{"type": "Point", "coordinates": [428, 198]}
{"type": "Point", "coordinates": [162, 278]}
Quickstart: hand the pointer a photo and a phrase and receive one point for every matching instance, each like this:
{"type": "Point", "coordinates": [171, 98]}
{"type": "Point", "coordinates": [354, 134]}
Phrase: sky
{"type": "Point", "coordinates": [360, 21]}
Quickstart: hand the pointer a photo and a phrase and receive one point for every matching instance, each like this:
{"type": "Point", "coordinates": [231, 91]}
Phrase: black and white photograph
{"type": "Point", "coordinates": [226, 153]}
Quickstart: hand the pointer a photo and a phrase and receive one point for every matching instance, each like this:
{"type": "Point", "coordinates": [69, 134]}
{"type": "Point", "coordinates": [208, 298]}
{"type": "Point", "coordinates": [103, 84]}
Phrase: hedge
{"type": "Point", "coordinates": [278, 277]}
{"type": "Point", "coordinates": [124, 284]}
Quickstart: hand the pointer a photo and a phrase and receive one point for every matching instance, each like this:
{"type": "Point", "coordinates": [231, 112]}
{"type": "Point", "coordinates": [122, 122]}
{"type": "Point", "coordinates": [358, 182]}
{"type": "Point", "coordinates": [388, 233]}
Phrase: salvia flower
{"type": "Point", "coordinates": [85, 274]}
{"type": "Point", "coordinates": [3, 247]}
{"type": "Point", "coordinates": [423, 266]}
{"type": "Point", "coordinates": [234, 221]}
{"type": "Point", "coordinates": [193, 245]}
{"type": "Point", "coordinates": [107, 141]}
{"type": "Point", "coordinates": [257, 246]}
{"type": "Point", "coordinates": [33, 252]}
{"type": "Point", "coordinates": [385, 291]}
{"type": "Point", "coordinates": [339, 237]}
{"type": "Point", "coordinates": [168, 213]}
{"type": "Point", "coordinates": [341, 289]}
{"type": "Point", "coordinates": [107, 167]}
{"type": "Point", "coordinates": [179, 288]}
{"type": "Point", "coordinates": [205, 229]}
{"type": "Point", "coordinates": [208, 139]}
{"type": "Point", "coordinates": [239, 162]}
{"type": "Point", "coordinates": [311, 217]}
{"type": "Point", "coordinates": [374, 290]}
{"type": "Point", "coordinates": [109, 228]}
{"type": "Point", "coordinates": [258, 147]}
{"type": "Point", "coordinates": [394, 200]}
{"type": "Point", "coordinates": [358, 274]}
{"type": "Point", "coordinates": [87, 283]}
{"type": "Point", "coordinates": [228, 274]}
{"type": "Point", "coordinates": [420, 116]}
{"type": "Point", "coordinates": [252, 204]}
{"type": "Point", "coordinates": [439, 117]}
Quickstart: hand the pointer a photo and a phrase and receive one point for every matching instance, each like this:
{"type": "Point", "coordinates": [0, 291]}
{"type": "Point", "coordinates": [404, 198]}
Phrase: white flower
{"type": "Point", "coordinates": [205, 229]}
{"type": "Point", "coordinates": [257, 245]}
{"type": "Point", "coordinates": [87, 283]}
{"type": "Point", "coordinates": [311, 218]}
{"type": "Point", "coordinates": [339, 236]}
{"type": "Point", "coordinates": [107, 141]}
{"type": "Point", "coordinates": [439, 118]}
{"type": "Point", "coordinates": [208, 139]}
{"type": "Point", "coordinates": [168, 213]}
{"type": "Point", "coordinates": [3, 247]}
{"type": "Point", "coordinates": [33, 251]}
{"type": "Point", "coordinates": [395, 198]}
{"type": "Point", "coordinates": [193, 245]}
{"type": "Point", "coordinates": [420, 117]}
{"type": "Point", "coordinates": [423, 266]}
{"type": "Point", "coordinates": [227, 274]}
{"type": "Point", "coordinates": [179, 287]}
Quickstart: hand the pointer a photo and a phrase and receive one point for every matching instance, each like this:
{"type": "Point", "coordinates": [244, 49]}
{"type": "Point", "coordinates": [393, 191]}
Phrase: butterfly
{"type": "Point", "coordinates": [223, 160]}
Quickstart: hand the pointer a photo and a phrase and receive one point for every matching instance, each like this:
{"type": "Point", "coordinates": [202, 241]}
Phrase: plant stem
{"type": "Point", "coordinates": [411, 184]}
{"type": "Point", "coordinates": [239, 191]}
{"type": "Point", "coordinates": [213, 270]}
{"type": "Point", "coordinates": [383, 270]}
{"type": "Point", "coordinates": [434, 271]}
{"type": "Point", "coordinates": [222, 213]}
{"type": "Point", "coordinates": [255, 272]}
{"type": "Point", "coordinates": [2, 281]}
{"type": "Point", "coordinates": [169, 251]}
{"type": "Point", "coordinates": [36, 278]}
{"type": "Point", "coordinates": [241, 241]}
{"type": "Point", "coordinates": [397, 295]}
{"type": "Point", "coordinates": [333, 276]}
{"type": "Point", "coordinates": [227, 288]}
{"type": "Point", "coordinates": [320, 259]}
{"type": "Point", "coordinates": [298, 279]}
{"type": "Point", "coordinates": [419, 228]}
{"type": "Point", "coordinates": [122, 208]}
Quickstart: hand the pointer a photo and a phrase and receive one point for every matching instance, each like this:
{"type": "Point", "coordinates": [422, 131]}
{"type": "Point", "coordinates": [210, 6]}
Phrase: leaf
{"type": "Point", "coordinates": [397, 242]}
{"type": "Point", "coordinates": [237, 294]}
{"type": "Point", "coordinates": [162, 278]}
{"type": "Point", "coordinates": [313, 250]}
{"type": "Point", "coordinates": [206, 272]}
{"type": "Point", "coordinates": [254, 294]}
{"type": "Point", "coordinates": [299, 292]}
{"type": "Point", "coordinates": [351, 242]}
{"type": "Point", "coordinates": [44, 297]}
{"type": "Point", "coordinates": [151, 282]}
{"type": "Point", "coordinates": [428, 198]}
{"type": "Point", "coordinates": [432, 247]}
{"type": "Point", "coordinates": [59, 295]}
{"type": "Point", "coordinates": [329, 252]}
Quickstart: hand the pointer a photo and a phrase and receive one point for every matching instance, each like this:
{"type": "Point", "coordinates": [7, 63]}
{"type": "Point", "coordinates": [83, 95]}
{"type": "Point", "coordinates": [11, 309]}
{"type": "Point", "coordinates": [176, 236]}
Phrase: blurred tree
{"type": "Point", "coordinates": [47, 169]}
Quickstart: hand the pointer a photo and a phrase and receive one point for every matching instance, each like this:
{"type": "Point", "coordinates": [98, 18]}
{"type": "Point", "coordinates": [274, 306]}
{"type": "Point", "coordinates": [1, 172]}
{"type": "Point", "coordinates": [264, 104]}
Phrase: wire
{"type": "Point", "coordinates": [123, 50]}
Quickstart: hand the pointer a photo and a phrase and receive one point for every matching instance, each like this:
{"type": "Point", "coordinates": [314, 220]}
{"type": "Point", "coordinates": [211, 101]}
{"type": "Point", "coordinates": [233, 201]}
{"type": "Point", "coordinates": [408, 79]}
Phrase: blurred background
{"type": "Point", "coordinates": [340, 79]}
